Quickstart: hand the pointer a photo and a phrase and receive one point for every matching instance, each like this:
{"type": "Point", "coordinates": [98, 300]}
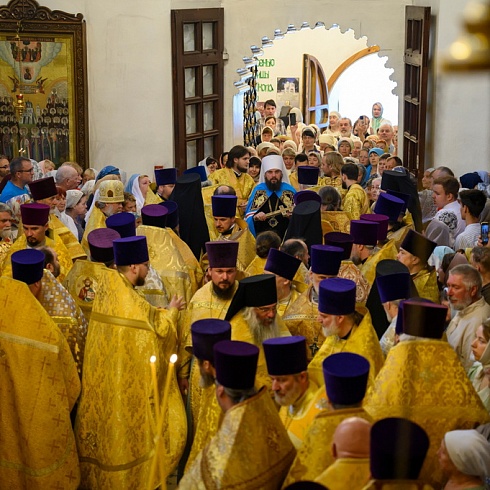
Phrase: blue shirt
{"type": "Point", "coordinates": [11, 190]}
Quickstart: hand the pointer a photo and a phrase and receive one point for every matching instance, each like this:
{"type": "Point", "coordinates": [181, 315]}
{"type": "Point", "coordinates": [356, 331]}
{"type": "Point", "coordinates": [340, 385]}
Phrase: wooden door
{"type": "Point", "coordinates": [197, 66]}
{"type": "Point", "coordinates": [416, 59]}
{"type": "Point", "coordinates": [315, 93]}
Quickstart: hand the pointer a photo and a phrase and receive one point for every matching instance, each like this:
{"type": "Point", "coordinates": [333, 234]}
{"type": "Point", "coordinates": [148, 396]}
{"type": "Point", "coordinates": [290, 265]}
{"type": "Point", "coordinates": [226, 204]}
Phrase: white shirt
{"type": "Point", "coordinates": [450, 214]}
{"type": "Point", "coordinates": [469, 237]}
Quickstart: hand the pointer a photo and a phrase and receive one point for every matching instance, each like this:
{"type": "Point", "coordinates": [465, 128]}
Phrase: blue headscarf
{"type": "Point", "coordinates": [107, 170]}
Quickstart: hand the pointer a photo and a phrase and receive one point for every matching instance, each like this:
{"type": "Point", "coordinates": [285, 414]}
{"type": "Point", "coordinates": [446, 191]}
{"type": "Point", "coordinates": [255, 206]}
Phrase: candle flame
{"type": "Point", "coordinates": [153, 359]}
{"type": "Point", "coordinates": [173, 358]}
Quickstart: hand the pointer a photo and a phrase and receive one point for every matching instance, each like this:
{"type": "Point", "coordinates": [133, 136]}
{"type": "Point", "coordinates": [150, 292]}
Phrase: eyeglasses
{"type": "Point", "coordinates": [5, 166]}
{"type": "Point", "coordinates": [30, 170]}
{"type": "Point", "coordinates": [266, 309]}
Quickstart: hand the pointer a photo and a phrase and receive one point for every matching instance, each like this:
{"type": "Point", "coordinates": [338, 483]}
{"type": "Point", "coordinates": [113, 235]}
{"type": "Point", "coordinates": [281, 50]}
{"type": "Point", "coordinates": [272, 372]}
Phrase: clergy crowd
{"type": "Point", "coordinates": [300, 314]}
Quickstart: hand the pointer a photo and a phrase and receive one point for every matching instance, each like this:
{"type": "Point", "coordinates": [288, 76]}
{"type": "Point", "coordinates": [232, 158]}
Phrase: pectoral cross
{"type": "Point", "coordinates": [314, 347]}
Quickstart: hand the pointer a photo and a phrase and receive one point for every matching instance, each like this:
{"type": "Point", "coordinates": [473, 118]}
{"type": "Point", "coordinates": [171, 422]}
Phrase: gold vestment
{"type": "Point", "coordinates": [315, 455]}
{"type": "Point", "coordinates": [348, 270]}
{"type": "Point", "coordinates": [4, 248]}
{"type": "Point", "coordinates": [368, 269]}
{"type": "Point", "coordinates": [298, 417]}
{"type": "Point", "coordinates": [167, 260]}
{"type": "Point", "coordinates": [426, 283]}
{"type": "Point", "coordinates": [116, 416]}
{"type": "Point", "coordinates": [243, 185]}
{"type": "Point", "coordinates": [57, 227]}
{"type": "Point", "coordinates": [251, 450]}
{"type": "Point", "coordinates": [399, 235]}
{"type": "Point", "coordinates": [57, 245]}
{"type": "Point", "coordinates": [424, 381]}
{"type": "Point", "coordinates": [301, 318]}
{"type": "Point", "coordinates": [336, 221]}
{"type": "Point", "coordinates": [284, 303]}
{"type": "Point", "coordinates": [256, 267]}
{"type": "Point", "coordinates": [39, 386]}
{"type": "Point", "coordinates": [95, 221]}
{"type": "Point", "coordinates": [205, 417]}
{"type": "Point", "coordinates": [356, 202]}
{"type": "Point", "coordinates": [346, 474]}
{"type": "Point", "coordinates": [68, 317]}
{"type": "Point", "coordinates": [362, 340]}
{"type": "Point", "coordinates": [82, 282]}
{"type": "Point", "coordinates": [241, 331]}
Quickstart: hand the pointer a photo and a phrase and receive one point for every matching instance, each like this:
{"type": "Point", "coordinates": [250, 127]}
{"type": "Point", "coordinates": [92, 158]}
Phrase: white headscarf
{"type": "Point", "coordinates": [273, 162]}
{"type": "Point", "coordinates": [73, 197]}
{"type": "Point", "coordinates": [92, 206]}
{"type": "Point", "coordinates": [133, 186]}
{"type": "Point", "coordinates": [469, 451]}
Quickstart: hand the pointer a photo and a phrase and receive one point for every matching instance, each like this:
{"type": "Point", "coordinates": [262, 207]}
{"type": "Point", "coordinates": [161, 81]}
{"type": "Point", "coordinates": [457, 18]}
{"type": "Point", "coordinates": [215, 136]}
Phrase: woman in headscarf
{"type": "Point", "coordinates": [479, 373]}
{"type": "Point", "coordinates": [139, 186]}
{"type": "Point", "coordinates": [464, 457]}
{"type": "Point", "coordinates": [377, 119]}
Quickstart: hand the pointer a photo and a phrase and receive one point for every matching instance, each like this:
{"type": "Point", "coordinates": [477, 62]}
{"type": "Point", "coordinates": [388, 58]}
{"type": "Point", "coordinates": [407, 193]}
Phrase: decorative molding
{"type": "Point", "coordinates": [30, 10]}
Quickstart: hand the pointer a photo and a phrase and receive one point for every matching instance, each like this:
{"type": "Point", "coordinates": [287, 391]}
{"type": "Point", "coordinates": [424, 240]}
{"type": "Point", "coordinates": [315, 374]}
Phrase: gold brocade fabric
{"type": "Point", "coordinates": [426, 283]}
{"type": "Point", "coordinates": [204, 304]}
{"type": "Point", "coordinates": [356, 202]}
{"type": "Point", "coordinates": [302, 278]}
{"type": "Point", "coordinates": [207, 194]}
{"type": "Point", "coordinates": [246, 243]}
{"type": "Point", "coordinates": [368, 269]}
{"type": "Point", "coordinates": [115, 424]}
{"type": "Point", "coordinates": [4, 248]}
{"type": "Point", "coordinates": [348, 270]}
{"type": "Point", "coordinates": [424, 381]}
{"type": "Point", "coordinates": [301, 318]}
{"type": "Point", "coordinates": [284, 304]}
{"type": "Point", "coordinates": [193, 267]}
{"type": "Point", "coordinates": [398, 485]}
{"type": "Point", "coordinates": [336, 221]}
{"type": "Point", "coordinates": [293, 180]}
{"type": "Point", "coordinates": [209, 420]}
{"type": "Point", "coordinates": [167, 260]}
{"type": "Point", "coordinates": [346, 474]}
{"type": "Point", "coordinates": [96, 220]}
{"type": "Point", "coordinates": [39, 386]}
{"type": "Point", "coordinates": [256, 267]}
{"type": "Point", "coordinates": [333, 182]}
{"type": "Point", "coordinates": [399, 235]}
{"type": "Point", "coordinates": [152, 198]}
{"type": "Point", "coordinates": [62, 309]}
{"type": "Point", "coordinates": [362, 340]}
{"type": "Point", "coordinates": [57, 245]}
{"type": "Point", "coordinates": [241, 331]}
{"type": "Point", "coordinates": [153, 289]}
{"type": "Point", "coordinates": [67, 237]}
{"type": "Point", "coordinates": [243, 185]}
{"type": "Point", "coordinates": [82, 282]}
{"type": "Point", "coordinates": [298, 417]}
{"type": "Point", "coordinates": [315, 455]}
{"type": "Point", "coordinates": [251, 450]}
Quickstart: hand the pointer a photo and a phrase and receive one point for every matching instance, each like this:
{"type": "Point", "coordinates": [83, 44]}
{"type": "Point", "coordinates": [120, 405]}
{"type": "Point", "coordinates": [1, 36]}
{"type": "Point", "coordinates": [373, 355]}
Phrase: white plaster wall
{"type": "Point", "coordinates": [129, 69]}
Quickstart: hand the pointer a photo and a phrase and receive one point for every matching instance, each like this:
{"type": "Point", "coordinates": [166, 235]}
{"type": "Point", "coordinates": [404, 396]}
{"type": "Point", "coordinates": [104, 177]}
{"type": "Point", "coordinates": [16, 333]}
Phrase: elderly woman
{"type": "Point", "coordinates": [464, 457]}
{"type": "Point", "coordinates": [75, 211]}
{"type": "Point", "coordinates": [427, 204]}
{"type": "Point", "coordinates": [479, 373]}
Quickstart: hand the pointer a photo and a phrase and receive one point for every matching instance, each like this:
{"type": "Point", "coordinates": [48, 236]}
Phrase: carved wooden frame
{"type": "Point", "coordinates": [39, 20]}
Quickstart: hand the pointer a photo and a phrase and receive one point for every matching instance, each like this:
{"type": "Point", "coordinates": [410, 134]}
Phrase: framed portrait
{"type": "Point", "coordinates": [43, 58]}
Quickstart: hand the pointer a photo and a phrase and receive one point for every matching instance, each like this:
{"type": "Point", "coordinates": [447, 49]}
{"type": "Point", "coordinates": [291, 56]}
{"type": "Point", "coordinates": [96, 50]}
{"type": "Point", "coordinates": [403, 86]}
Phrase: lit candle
{"type": "Point", "coordinates": [159, 455]}
{"type": "Point", "coordinates": [156, 398]}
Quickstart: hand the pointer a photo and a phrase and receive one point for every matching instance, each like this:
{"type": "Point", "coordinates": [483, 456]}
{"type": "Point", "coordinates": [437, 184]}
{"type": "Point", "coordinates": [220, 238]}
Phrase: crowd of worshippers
{"type": "Point", "coordinates": [276, 321]}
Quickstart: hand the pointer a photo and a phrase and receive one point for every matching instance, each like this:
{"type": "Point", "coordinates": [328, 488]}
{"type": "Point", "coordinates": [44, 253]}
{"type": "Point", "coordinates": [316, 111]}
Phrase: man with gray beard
{"type": "Point", "coordinates": [253, 317]}
{"type": "Point", "coordinates": [464, 293]}
{"type": "Point", "coordinates": [6, 236]}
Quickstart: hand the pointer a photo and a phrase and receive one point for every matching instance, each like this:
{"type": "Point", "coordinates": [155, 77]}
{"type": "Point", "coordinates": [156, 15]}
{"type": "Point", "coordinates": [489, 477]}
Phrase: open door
{"type": "Point", "coordinates": [315, 93]}
{"type": "Point", "coordinates": [417, 36]}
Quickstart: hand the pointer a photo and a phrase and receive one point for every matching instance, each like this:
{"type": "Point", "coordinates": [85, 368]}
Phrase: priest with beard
{"type": "Point", "coordinates": [210, 301]}
{"type": "Point", "coordinates": [254, 319]}
{"type": "Point", "coordinates": [272, 199]}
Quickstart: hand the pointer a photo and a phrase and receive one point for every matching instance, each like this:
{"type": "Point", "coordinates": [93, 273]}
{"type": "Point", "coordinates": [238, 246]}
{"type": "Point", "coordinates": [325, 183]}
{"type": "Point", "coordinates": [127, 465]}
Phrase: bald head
{"type": "Point", "coordinates": [67, 178]}
{"type": "Point", "coordinates": [351, 439]}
